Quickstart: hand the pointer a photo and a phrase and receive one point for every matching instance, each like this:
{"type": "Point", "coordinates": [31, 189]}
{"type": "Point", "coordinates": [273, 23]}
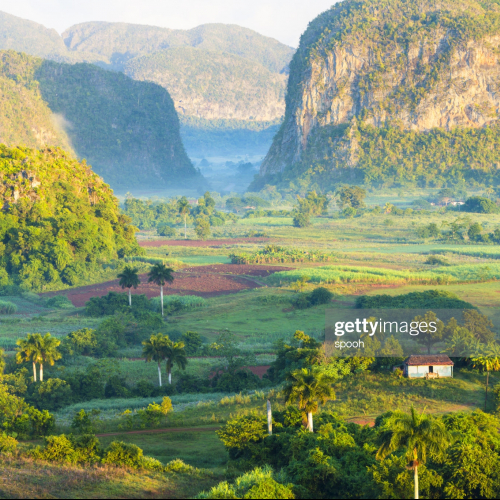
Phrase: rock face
{"type": "Point", "coordinates": [415, 66]}
{"type": "Point", "coordinates": [128, 130]}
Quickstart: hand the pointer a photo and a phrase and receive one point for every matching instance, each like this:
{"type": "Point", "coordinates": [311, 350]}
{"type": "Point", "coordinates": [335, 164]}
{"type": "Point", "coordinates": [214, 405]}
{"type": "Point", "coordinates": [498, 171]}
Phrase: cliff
{"type": "Point", "coordinates": [422, 71]}
{"type": "Point", "coordinates": [128, 130]}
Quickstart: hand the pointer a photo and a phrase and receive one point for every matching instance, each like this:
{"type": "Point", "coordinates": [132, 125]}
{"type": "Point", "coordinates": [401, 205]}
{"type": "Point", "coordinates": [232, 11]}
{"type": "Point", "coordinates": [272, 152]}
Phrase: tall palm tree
{"type": "Point", "coordinates": [487, 358]}
{"type": "Point", "coordinates": [419, 434]}
{"type": "Point", "coordinates": [160, 274]}
{"type": "Point", "coordinates": [184, 208]}
{"type": "Point", "coordinates": [28, 350]}
{"type": "Point", "coordinates": [48, 352]}
{"type": "Point", "coordinates": [175, 355]}
{"type": "Point", "coordinates": [154, 350]}
{"type": "Point", "coordinates": [129, 278]}
{"type": "Point", "coordinates": [308, 388]}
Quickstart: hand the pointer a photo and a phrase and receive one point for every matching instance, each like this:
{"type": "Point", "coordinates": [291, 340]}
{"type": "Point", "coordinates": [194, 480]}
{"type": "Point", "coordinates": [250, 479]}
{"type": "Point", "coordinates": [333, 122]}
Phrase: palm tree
{"type": "Point", "coordinates": [184, 208]}
{"type": "Point", "coordinates": [48, 352]}
{"type": "Point", "coordinates": [159, 275]}
{"type": "Point", "coordinates": [129, 278]}
{"type": "Point", "coordinates": [487, 358]}
{"type": "Point", "coordinates": [29, 350]}
{"type": "Point", "coordinates": [154, 350]}
{"type": "Point", "coordinates": [308, 388]}
{"type": "Point", "coordinates": [175, 355]}
{"type": "Point", "coordinates": [419, 434]}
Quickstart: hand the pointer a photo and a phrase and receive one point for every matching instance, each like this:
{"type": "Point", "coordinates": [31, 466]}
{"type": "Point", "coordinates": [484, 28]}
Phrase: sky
{"type": "Point", "coordinates": [284, 20]}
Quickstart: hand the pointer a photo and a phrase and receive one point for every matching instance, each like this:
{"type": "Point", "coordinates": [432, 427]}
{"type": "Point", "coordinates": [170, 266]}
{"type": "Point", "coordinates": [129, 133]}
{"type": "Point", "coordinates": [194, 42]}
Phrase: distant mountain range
{"type": "Point", "coordinates": [127, 130]}
{"type": "Point", "coordinates": [227, 82]}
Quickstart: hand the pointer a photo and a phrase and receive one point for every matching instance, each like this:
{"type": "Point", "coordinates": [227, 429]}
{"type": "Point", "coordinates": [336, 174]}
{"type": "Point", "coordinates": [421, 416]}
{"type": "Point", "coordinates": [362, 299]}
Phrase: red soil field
{"type": "Point", "coordinates": [204, 281]}
{"type": "Point", "coordinates": [200, 243]}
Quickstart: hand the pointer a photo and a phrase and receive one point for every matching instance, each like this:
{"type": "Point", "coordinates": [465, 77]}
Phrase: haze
{"type": "Point", "coordinates": [284, 20]}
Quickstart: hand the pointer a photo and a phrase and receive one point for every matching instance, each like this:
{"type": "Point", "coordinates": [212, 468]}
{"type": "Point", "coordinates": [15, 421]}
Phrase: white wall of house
{"type": "Point", "coordinates": [421, 371]}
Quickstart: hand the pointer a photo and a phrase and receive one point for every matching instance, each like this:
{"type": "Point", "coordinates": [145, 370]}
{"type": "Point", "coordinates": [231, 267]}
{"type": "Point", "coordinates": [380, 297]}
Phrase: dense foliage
{"type": "Point", "coordinates": [129, 131]}
{"type": "Point", "coordinates": [437, 299]}
{"type": "Point", "coordinates": [59, 221]}
{"type": "Point", "coordinates": [276, 254]}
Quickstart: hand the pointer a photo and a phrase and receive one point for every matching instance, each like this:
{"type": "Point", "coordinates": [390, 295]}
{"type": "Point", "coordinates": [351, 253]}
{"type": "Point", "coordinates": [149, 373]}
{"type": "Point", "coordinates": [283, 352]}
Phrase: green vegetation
{"type": "Point", "coordinates": [85, 228]}
{"type": "Point", "coordinates": [273, 254]}
{"type": "Point", "coordinates": [394, 138]}
{"type": "Point", "coordinates": [438, 299]}
{"type": "Point", "coordinates": [95, 110]}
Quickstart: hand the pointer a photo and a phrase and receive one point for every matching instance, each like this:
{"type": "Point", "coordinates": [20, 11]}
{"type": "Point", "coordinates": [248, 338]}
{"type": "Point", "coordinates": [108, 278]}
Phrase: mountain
{"type": "Point", "coordinates": [392, 92]}
{"type": "Point", "coordinates": [128, 130]}
{"type": "Point", "coordinates": [234, 99]}
{"type": "Point", "coordinates": [66, 212]}
{"type": "Point", "coordinates": [120, 42]}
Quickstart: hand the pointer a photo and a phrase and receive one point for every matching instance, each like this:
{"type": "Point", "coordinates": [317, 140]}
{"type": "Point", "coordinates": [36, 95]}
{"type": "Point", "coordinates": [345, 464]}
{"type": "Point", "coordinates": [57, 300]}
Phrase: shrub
{"type": "Point", "coordinates": [8, 444]}
{"type": "Point", "coordinates": [7, 307]}
{"type": "Point", "coordinates": [59, 302]}
{"type": "Point", "coordinates": [42, 422]}
{"type": "Point", "coordinates": [436, 261]}
{"type": "Point", "coordinates": [177, 303]}
{"type": "Point", "coordinates": [192, 343]}
{"type": "Point", "coordinates": [53, 394]}
{"type": "Point", "coordinates": [320, 295]}
{"type": "Point", "coordinates": [437, 299]}
{"type": "Point", "coordinates": [113, 302]}
{"type": "Point", "coordinates": [120, 453]}
{"type": "Point", "coordinates": [57, 449]}
{"type": "Point", "coordinates": [301, 220]}
{"type": "Point", "coordinates": [84, 422]}
{"type": "Point", "coordinates": [202, 228]}
{"type": "Point", "coordinates": [179, 466]}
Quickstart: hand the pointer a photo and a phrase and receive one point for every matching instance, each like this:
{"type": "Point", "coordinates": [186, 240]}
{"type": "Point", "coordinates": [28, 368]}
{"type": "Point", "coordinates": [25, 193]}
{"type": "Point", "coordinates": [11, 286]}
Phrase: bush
{"type": "Point", "coordinates": [320, 295]}
{"type": "Point", "coordinates": [8, 444]}
{"type": "Point", "coordinates": [301, 220]}
{"type": "Point", "coordinates": [436, 261]}
{"type": "Point", "coordinates": [53, 394]}
{"type": "Point", "coordinates": [192, 343]}
{"type": "Point", "coordinates": [437, 299]}
{"type": "Point", "coordinates": [113, 302]}
{"type": "Point", "coordinates": [202, 228]}
{"type": "Point", "coordinates": [59, 302]}
{"type": "Point", "coordinates": [120, 453]}
{"type": "Point", "coordinates": [179, 466]}
{"type": "Point", "coordinates": [7, 307]}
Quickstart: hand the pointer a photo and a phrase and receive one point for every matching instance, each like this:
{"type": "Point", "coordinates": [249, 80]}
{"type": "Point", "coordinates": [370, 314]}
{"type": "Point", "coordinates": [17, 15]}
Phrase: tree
{"type": "Point", "coordinates": [29, 351]}
{"type": "Point", "coordinates": [312, 204]}
{"type": "Point", "coordinates": [160, 274]}
{"type": "Point", "coordinates": [308, 387]}
{"type": "Point", "coordinates": [351, 196]}
{"type": "Point", "coordinates": [419, 434]}
{"type": "Point", "coordinates": [184, 208]}
{"type": "Point", "coordinates": [301, 220]}
{"type": "Point", "coordinates": [129, 278]}
{"type": "Point", "coordinates": [48, 352]}
{"type": "Point", "coordinates": [202, 228]}
{"type": "Point", "coordinates": [154, 349]}
{"type": "Point", "coordinates": [427, 335]}
{"type": "Point", "coordinates": [479, 325]}
{"type": "Point", "coordinates": [175, 355]}
{"type": "Point", "coordinates": [487, 358]}
{"type": "Point", "coordinates": [192, 342]}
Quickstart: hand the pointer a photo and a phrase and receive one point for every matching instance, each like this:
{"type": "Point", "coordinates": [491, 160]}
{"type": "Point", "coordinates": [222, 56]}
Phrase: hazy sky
{"type": "Point", "coordinates": [281, 19]}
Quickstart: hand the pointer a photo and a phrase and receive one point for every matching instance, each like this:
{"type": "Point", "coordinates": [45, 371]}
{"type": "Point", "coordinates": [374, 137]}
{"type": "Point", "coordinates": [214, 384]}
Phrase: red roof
{"type": "Point", "coordinates": [436, 359]}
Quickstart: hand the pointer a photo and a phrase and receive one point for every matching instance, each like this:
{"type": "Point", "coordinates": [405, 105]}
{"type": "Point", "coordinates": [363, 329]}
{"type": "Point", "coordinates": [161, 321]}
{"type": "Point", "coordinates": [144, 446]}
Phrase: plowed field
{"type": "Point", "coordinates": [204, 281]}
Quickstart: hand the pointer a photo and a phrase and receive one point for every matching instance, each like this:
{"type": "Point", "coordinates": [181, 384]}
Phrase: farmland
{"type": "Point", "coordinates": [244, 297]}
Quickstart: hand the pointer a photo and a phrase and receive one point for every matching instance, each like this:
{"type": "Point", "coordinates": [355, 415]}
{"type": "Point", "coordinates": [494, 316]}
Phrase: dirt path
{"type": "Point", "coordinates": [161, 431]}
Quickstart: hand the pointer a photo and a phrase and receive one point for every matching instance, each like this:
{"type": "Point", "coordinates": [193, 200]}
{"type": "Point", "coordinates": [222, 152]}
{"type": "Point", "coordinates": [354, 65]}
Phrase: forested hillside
{"type": "Point", "coordinates": [59, 220]}
{"type": "Point", "coordinates": [227, 82]}
{"type": "Point", "coordinates": [128, 130]}
{"type": "Point", "coordinates": [392, 92]}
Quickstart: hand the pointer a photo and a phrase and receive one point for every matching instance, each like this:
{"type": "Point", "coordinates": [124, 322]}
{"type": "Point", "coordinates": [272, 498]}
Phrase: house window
{"type": "Point", "coordinates": [431, 369]}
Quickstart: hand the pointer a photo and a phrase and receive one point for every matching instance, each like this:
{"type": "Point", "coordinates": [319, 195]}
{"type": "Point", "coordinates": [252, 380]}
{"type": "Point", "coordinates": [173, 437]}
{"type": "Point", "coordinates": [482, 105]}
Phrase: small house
{"type": "Point", "coordinates": [432, 366]}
